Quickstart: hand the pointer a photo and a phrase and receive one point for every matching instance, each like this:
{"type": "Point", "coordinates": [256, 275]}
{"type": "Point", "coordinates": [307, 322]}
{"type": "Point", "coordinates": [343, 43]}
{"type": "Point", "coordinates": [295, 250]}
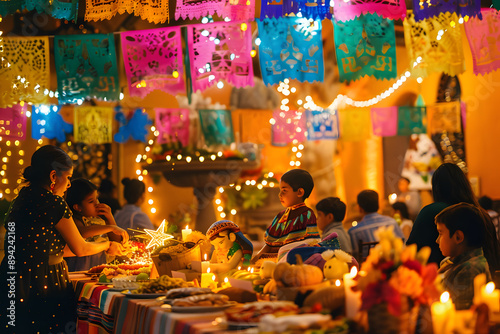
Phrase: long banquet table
{"type": "Point", "coordinates": [102, 310]}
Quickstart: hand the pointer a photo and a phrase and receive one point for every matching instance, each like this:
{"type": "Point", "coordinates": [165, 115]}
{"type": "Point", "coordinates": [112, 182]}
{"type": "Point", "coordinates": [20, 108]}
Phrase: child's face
{"type": "Point", "coordinates": [287, 196]}
{"type": "Point", "coordinates": [89, 205]}
{"type": "Point", "coordinates": [322, 220]}
{"type": "Point", "coordinates": [447, 244]}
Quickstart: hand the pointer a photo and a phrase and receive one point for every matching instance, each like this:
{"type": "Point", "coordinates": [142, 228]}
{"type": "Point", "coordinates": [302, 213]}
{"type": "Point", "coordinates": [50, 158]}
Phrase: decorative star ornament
{"type": "Point", "coordinates": [158, 238]}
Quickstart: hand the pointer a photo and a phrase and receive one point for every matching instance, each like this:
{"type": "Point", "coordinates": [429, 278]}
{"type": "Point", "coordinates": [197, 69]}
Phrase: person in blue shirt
{"type": "Point", "coordinates": [364, 231]}
{"type": "Point", "coordinates": [131, 215]}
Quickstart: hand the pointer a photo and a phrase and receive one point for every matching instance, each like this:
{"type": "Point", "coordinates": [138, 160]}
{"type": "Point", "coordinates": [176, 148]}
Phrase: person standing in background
{"type": "Point", "coordinates": [107, 195]}
{"type": "Point", "coordinates": [131, 215]}
{"type": "Point", "coordinates": [410, 197]}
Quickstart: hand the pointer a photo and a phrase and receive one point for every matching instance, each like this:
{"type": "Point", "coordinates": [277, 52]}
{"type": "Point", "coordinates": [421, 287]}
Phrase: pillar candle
{"type": "Point", "coordinates": [479, 282]}
{"type": "Point", "coordinates": [185, 232]}
{"type": "Point", "coordinates": [443, 313]}
{"type": "Point", "coordinates": [205, 264]}
{"type": "Point", "coordinates": [206, 279]}
{"type": "Point", "coordinates": [352, 298]}
{"type": "Point", "coordinates": [491, 297]}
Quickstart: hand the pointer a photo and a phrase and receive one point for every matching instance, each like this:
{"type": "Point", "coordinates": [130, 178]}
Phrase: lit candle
{"type": "Point", "coordinates": [443, 313]}
{"type": "Point", "coordinates": [205, 264]}
{"type": "Point", "coordinates": [226, 283]}
{"type": "Point", "coordinates": [352, 298]}
{"type": "Point", "coordinates": [479, 282]}
{"type": "Point", "coordinates": [206, 279]}
{"type": "Point", "coordinates": [392, 198]}
{"type": "Point", "coordinates": [491, 297]}
{"type": "Point", "coordinates": [185, 232]}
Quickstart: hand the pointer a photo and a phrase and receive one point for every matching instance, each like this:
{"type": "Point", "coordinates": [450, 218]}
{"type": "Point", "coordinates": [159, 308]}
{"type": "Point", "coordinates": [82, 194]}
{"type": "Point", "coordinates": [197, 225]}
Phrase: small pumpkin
{"type": "Point", "coordinates": [296, 275]}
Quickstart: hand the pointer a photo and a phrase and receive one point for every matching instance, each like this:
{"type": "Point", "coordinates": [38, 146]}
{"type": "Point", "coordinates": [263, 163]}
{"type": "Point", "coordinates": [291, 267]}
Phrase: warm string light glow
{"type": "Point", "coordinates": [221, 205]}
{"type": "Point", "coordinates": [13, 155]}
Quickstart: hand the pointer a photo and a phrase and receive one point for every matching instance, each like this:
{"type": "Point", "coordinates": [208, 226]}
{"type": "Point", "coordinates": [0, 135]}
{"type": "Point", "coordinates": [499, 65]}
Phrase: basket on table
{"type": "Point", "coordinates": [165, 263]}
{"type": "Point", "coordinates": [381, 321]}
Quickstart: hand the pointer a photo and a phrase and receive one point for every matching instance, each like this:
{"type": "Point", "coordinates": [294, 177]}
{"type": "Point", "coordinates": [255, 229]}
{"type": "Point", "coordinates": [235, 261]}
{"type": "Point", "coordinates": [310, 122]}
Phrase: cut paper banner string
{"type": "Point", "coordinates": [93, 125]}
{"type": "Point", "coordinates": [389, 9]}
{"type": "Point", "coordinates": [13, 122]}
{"type": "Point", "coordinates": [311, 9]}
{"type": "Point", "coordinates": [411, 120]}
{"type": "Point", "coordinates": [322, 124]}
{"type": "Point", "coordinates": [155, 11]}
{"type": "Point", "coordinates": [240, 10]}
{"type": "Point", "coordinates": [195, 9]}
{"type": "Point", "coordinates": [271, 9]}
{"type": "Point", "coordinates": [172, 125]}
{"type": "Point", "coordinates": [484, 41]}
{"type": "Point", "coordinates": [355, 124]}
{"type": "Point", "coordinates": [64, 10]}
{"type": "Point", "coordinates": [434, 45]}
{"type": "Point", "coordinates": [385, 121]}
{"type": "Point", "coordinates": [365, 46]}
{"type": "Point", "coordinates": [47, 121]}
{"type": "Point", "coordinates": [27, 74]}
{"type": "Point", "coordinates": [434, 8]}
{"type": "Point", "coordinates": [86, 67]}
{"type": "Point", "coordinates": [217, 126]}
{"type": "Point", "coordinates": [135, 126]}
{"type": "Point", "coordinates": [290, 48]}
{"type": "Point", "coordinates": [444, 117]}
{"type": "Point", "coordinates": [220, 51]}
{"type": "Point", "coordinates": [289, 126]}
{"type": "Point", "coordinates": [153, 60]}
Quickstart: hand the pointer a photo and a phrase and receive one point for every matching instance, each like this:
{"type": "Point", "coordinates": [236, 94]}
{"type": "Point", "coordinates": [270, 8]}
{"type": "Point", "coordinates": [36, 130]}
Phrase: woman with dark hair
{"type": "Point", "coordinates": [36, 294]}
{"type": "Point", "coordinates": [402, 216]}
{"type": "Point", "coordinates": [131, 215]}
{"type": "Point", "coordinates": [451, 186]}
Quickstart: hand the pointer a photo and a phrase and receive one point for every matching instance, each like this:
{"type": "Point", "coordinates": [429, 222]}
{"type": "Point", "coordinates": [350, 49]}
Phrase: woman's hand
{"type": "Point", "coordinates": [104, 210]}
{"type": "Point", "coordinates": [115, 249]}
{"type": "Point", "coordinates": [120, 232]}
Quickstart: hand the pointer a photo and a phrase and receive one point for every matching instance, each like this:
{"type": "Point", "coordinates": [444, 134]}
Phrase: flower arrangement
{"type": "Point", "coordinates": [396, 275]}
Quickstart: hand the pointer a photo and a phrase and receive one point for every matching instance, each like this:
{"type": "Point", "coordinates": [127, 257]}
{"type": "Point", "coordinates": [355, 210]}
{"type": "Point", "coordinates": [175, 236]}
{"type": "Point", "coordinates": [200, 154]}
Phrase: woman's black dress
{"type": "Point", "coordinates": [42, 297]}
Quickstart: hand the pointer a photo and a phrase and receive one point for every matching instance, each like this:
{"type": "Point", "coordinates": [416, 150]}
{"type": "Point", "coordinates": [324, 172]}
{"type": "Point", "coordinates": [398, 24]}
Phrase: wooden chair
{"type": "Point", "coordinates": [364, 250]}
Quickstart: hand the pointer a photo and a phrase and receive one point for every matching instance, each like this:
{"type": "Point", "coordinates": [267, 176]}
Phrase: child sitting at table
{"type": "Point", "coordinates": [461, 229]}
{"type": "Point", "coordinates": [82, 199]}
{"type": "Point", "coordinates": [297, 222]}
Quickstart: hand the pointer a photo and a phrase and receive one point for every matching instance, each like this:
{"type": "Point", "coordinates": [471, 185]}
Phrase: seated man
{"type": "Point", "coordinates": [364, 231]}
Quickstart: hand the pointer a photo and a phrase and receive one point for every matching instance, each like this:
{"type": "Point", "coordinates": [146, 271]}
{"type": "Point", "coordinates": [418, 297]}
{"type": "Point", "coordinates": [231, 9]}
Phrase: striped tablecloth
{"type": "Point", "coordinates": [101, 310]}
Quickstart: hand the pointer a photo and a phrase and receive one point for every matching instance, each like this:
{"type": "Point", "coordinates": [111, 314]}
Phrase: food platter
{"type": "Point", "coordinates": [241, 325]}
{"type": "Point", "coordinates": [143, 295]}
{"type": "Point", "coordinates": [201, 309]}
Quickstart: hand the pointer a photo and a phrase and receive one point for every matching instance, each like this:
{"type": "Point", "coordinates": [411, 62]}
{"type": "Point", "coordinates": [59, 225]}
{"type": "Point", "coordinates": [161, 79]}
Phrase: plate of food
{"type": "Point", "coordinates": [130, 294]}
{"type": "Point", "coordinates": [209, 302]}
{"type": "Point", "coordinates": [202, 309]}
{"type": "Point", "coordinates": [234, 325]}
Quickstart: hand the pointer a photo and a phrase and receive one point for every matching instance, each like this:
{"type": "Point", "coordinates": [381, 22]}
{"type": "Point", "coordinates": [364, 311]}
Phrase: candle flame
{"type": "Point", "coordinates": [354, 272]}
{"type": "Point", "coordinates": [226, 280]}
{"type": "Point", "coordinates": [490, 287]}
{"type": "Point", "coordinates": [208, 270]}
{"type": "Point", "coordinates": [205, 257]}
{"type": "Point", "coordinates": [213, 278]}
{"type": "Point", "coordinates": [187, 227]}
{"type": "Point", "coordinates": [445, 296]}
{"type": "Point", "coordinates": [248, 269]}
{"type": "Point", "coordinates": [239, 268]}
{"type": "Point", "coordinates": [251, 270]}
{"type": "Point", "coordinates": [337, 282]}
